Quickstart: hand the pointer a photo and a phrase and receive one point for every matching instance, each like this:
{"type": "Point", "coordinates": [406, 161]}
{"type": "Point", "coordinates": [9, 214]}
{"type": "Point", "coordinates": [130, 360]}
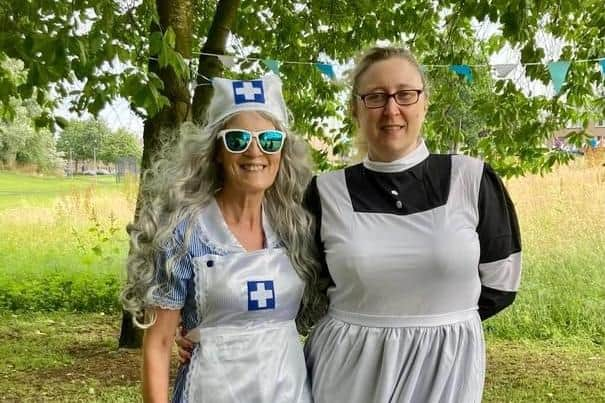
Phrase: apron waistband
{"type": "Point", "coordinates": [402, 321]}
{"type": "Point", "coordinates": [196, 334]}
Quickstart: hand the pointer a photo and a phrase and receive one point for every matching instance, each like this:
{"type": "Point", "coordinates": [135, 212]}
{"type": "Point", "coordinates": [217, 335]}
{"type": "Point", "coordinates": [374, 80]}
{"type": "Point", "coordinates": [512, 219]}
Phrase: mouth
{"type": "Point", "coordinates": [392, 127]}
{"type": "Point", "coordinates": [252, 167]}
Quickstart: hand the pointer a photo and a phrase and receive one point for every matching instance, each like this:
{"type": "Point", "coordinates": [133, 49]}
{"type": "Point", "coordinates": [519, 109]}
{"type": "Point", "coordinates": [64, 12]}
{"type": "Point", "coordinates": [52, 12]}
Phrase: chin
{"type": "Point", "coordinates": [255, 187]}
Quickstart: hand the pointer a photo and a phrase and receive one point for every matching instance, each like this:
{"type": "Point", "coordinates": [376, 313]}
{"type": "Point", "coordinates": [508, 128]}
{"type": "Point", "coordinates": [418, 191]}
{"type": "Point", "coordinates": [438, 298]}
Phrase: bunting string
{"type": "Point", "coordinates": [245, 58]}
{"type": "Point", "coordinates": [558, 69]}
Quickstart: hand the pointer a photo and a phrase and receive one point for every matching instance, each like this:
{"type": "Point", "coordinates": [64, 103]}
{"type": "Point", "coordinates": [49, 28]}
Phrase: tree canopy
{"type": "Point", "coordinates": [82, 139]}
{"type": "Point", "coordinates": [120, 144]}
{"type": "Point", "coordinates": [22, 144]}
{"type": "Point", "coordinates": [88, 139]}
{"type": "Point", "coordinates": [139, 50]}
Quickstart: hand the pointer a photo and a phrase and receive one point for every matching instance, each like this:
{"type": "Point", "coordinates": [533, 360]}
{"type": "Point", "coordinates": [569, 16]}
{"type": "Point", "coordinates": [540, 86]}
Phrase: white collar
{"type": "Point", "coordinates": [216, 232]}
{"type": "Point", "coordinates": [401, 164]}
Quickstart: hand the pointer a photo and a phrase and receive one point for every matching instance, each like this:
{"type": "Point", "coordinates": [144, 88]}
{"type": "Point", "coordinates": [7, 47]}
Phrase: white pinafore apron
{"type": "Point", "coordinates": [249, 350]}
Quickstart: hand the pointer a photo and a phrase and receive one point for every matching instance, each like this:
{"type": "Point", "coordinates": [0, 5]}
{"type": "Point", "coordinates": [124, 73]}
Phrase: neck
{"type": "Point", "coordinates": [392, 156]}
{"type": "Point", "coordinates": [240, 209]}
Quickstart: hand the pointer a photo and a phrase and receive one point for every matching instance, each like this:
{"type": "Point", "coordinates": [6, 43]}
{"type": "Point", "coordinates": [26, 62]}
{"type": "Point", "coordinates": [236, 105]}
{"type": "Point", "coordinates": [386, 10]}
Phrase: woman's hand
{"type": "Point", "coordinates": [185, 346]}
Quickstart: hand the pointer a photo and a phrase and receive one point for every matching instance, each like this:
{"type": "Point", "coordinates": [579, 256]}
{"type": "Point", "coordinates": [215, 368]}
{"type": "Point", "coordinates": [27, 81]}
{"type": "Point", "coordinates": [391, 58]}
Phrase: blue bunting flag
{"type": "Point", "coordinates": [463, 70]}
{"type": "Point", "coordinates": [326, 69]}
{"type": "Point", "coordinates": [558, 72]}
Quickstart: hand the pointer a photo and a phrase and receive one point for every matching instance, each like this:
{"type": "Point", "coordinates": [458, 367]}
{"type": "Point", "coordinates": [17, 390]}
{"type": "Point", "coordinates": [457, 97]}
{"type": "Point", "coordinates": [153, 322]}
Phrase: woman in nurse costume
{"type": "Point", "coordinates": [226, 249]}
{"type": "Point", "coordinates": [419, 248]}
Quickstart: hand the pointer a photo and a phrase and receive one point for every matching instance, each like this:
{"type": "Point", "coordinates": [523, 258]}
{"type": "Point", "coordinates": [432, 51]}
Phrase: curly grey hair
{"type": "Point", "coordinates": [183, 182]}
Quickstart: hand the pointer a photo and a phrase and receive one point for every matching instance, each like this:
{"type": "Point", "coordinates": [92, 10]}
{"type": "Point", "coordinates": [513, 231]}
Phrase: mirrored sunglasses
{"type": "Point", "coordinates": [238, 140]}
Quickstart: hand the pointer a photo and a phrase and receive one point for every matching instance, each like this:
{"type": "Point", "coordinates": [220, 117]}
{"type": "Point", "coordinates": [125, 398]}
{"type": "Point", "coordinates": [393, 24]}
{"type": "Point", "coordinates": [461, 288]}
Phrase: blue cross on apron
{"type": "Point", "coordinates": [248, 91]}
{"type": "Point", "coordinates": [261, 295]}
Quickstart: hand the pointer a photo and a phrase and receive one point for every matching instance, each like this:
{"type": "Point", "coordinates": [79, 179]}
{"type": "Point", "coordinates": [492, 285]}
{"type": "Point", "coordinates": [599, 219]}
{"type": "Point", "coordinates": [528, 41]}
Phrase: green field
{"type": "Point", "coordinates": [63, 242]}
{"type": "Point", "coordinates": [62, 250]}
{"type": "Point", "coordinates": [18, 190]}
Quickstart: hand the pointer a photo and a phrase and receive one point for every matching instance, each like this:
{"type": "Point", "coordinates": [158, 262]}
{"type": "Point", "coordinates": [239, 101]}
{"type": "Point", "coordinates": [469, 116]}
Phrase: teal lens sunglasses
{"type": "Point", "coordinates": [238, 140]}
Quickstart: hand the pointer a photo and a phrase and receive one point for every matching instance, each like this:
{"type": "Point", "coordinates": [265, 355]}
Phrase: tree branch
{"type": "Point", "coordinates": [210, 66]}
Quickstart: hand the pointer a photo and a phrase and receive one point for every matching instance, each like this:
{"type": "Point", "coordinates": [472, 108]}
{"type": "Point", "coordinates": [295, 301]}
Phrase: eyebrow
{"type": "Point", "coordinates": [404, 86]}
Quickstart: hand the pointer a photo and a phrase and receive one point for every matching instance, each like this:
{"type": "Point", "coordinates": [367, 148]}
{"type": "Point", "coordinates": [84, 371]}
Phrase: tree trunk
{"type": "Point", "coordinates": [211, 66]}
{"type": "Point", "coordinates": [178, 15]}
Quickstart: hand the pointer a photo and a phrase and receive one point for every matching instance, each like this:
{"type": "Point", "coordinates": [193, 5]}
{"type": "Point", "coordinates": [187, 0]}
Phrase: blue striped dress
{"type": "Point", "coordinates": [180, 290]}
{"type": "Point", "coordinates": [209, 236]}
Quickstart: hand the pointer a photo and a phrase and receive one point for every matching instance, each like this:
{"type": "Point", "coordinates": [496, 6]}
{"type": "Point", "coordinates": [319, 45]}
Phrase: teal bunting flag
{"type": "Point", "coordinates": [326, 69]}
{"type": "Point", "coordinates": [272, 65]}
{"type": "Point", "coordinates": [602, 63]}
{"type": "Point", "coordinates": [558, 72]}
{"type": "Point", "coordinates": [463, 70]}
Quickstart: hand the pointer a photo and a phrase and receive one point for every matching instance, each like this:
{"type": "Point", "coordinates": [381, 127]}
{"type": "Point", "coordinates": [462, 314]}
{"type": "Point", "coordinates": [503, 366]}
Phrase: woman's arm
{"type": "Point", "coordinates": [500, 240]}
{"type": "Point", "coordinates": [157, 347]}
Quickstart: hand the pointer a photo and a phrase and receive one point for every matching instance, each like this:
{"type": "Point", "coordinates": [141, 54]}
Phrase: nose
{"type": "Point", "coordinates": [254, 150]}
{"type": "Point", "coordinates": [391, 108]}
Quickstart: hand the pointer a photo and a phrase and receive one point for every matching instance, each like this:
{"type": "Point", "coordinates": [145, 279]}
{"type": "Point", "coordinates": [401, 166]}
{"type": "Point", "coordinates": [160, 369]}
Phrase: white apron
{"type": "Point", "coordinates": [249, 350]}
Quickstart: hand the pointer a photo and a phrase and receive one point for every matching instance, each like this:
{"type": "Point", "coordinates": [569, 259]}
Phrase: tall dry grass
{"type": "Point", "coordinates": [562, 219]}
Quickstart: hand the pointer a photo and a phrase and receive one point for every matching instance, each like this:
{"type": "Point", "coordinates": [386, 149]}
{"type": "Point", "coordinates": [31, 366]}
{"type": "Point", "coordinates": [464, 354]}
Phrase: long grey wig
{"type": "Point", "coordinates": [183, 182]}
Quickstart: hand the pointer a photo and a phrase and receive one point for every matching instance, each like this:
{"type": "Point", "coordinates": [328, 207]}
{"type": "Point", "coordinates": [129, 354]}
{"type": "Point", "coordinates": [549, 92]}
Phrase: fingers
{"type": "Point", "coordinates": [185, 346]}
{"type": "Point", "coordinates": [183, 342]}
{"type": "Point", "coordinates": [184, 356]}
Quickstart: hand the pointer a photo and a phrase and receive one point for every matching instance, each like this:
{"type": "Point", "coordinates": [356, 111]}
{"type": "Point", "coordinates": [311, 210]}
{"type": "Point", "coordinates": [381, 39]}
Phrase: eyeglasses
{"type": "Point", "coordinates": [238, 140]}
{"type": "Point", "coordinates": [374, 100]}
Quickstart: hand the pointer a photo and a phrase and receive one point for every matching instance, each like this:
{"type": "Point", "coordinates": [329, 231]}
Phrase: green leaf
{"type": "Point", "coordinates": [155, 43]}
{"type": "Point", "coordinates": [170, 38]}
{"type": "Point", "coordinates": [61, 122]}
{"type": "Point", "coordinates": [163, 59]}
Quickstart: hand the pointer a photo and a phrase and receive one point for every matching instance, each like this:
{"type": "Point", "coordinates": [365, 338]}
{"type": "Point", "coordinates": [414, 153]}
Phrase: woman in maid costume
{"type": "Point", "coordinates": [226, 248]}
{"type": "Point", "coordinates": [419, 249]}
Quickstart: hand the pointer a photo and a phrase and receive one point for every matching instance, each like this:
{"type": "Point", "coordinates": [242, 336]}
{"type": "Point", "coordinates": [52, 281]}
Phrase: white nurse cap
{"type": "Point", "coordinates": [233, 96]}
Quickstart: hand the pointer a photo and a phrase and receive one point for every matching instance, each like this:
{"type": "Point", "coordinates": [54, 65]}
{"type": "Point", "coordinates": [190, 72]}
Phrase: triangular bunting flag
{"type": "Point", "coordinates": [228, 61]}
{"type": "Point", "coordinates": [272, 65]}
{"type": "Point", "coordinates": [602, 63]}
{"type": "Point", "coordinates": [503, 70]}
{"type": "Point", "coordinates": [326, 69]}
{"type": "Point", "coordinates": [558, 71]}
{"type": "Point", "coordinates": [463, 70]}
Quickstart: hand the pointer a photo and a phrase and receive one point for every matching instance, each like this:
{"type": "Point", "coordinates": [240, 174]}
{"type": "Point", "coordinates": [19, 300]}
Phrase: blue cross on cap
{"type": "Point", "coordinates": [248, 91]}
{"type": "Point", "coordinates": [261, 295]}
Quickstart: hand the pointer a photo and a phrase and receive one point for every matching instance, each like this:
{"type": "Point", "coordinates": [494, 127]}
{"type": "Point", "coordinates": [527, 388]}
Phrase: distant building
{"type": "Point", "coordinates": [126, 166]}
{"type": "Point", "coordinates": [595, 129]}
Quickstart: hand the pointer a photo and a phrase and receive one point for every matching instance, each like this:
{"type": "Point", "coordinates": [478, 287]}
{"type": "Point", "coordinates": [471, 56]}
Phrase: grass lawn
{"type": "Point", "coordinates": [65, 357]}
{"type": "Point", "coordinates": [21, 190]}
